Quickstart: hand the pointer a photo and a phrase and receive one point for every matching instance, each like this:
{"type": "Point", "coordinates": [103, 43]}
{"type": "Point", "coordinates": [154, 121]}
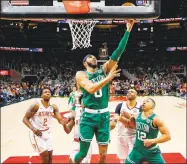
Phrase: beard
{"type": "Point", "coordinates": [92, 65]}
{"type": "Point", "coordinates": [131, 98]}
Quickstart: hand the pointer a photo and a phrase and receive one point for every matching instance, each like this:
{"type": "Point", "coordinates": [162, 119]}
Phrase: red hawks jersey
{"type": "Point", "coordinates": [42, 119]}
{"type": "Point", "coordinates": [125, 131]}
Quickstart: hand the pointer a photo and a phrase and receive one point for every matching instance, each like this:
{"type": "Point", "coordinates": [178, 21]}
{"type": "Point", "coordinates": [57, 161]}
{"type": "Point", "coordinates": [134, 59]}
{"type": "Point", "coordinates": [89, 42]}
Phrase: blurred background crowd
{"type": "Point", "coordinates": [38, 53]}
{"type": "Point", "coordinates": [156, 77]}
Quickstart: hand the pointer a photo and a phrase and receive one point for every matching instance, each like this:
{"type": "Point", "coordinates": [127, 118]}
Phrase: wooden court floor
{"type": "Point", "coordinates": [15, 137]}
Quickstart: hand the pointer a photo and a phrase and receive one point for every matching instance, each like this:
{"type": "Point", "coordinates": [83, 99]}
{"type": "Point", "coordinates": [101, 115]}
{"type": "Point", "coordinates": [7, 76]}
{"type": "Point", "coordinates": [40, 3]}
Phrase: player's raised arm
{"type": "Point", "coordinates": [90, 87]}
{"type": "Point", "coordinates": [29, 114]}
{"type": "Point", "coordinates": [120, 49]}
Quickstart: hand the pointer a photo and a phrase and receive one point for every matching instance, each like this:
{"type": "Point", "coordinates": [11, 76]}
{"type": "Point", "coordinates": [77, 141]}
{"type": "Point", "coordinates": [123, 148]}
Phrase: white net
{"type": "Point", "coordinates": [81, 32]}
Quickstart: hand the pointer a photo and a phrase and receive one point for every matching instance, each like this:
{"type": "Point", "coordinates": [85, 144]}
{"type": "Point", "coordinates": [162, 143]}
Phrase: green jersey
{"type": "Point", "coordinates": [98, 100]}
{"type": "Point", "coordinates": [145, 130]}
{"type": "Point", "coordinates": [71, 98]}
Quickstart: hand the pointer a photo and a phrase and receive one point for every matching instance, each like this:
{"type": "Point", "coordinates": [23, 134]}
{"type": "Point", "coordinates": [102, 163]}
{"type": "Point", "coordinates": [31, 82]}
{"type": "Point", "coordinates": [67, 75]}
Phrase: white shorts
{"type": "Point", "coordinates": [41, 144]}
{"type": "Point", "coordinates": [75, 150]}
{"type": "Point", "coordinates": [124, 146]}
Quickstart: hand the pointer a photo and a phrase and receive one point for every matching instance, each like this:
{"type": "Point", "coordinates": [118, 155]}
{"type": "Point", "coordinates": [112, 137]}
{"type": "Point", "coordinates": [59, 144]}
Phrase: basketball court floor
{"type": "Point", "coordinates": [16, 146]}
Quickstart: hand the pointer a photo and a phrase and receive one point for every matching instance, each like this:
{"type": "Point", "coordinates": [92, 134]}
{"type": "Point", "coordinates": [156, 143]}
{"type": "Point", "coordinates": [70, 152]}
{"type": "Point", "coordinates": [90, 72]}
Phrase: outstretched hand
{"type": "Point", "coordinates": [114, 72]}
{"type": "Point", "coordinates": [130, 24]}
{"type": "Point", "coordinates": [64, 121]}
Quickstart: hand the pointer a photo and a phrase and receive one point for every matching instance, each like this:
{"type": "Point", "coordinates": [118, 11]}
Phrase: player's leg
{"type": "Point", "coordinates": [130, 142]}
{"type": "Point", "coordinates": [50, 156]}
{"type": "Point", "coordinates": [50, 149]}
{"type": "Point", "coordinates": [87, 159]}
{"type": "Point", "coordinates": [134, 157]}
{"type": "Point", "coordinates": [102, 153]}
{"type": "Point", "coordinates": [103, 136]}
{"type": "Point", "coordinates": [122, 148]}
{"type": "Point", "coordinates": [84, 147]}
{"type": "Point", "coordinates": [75, 150]}
{"type": "Point", "coordinates": [86, 133]}
{"type": "Point", "coordinates": [45, 151]}
{"type": "Point", "coordinates": [155, 157]}
{"type": "Point", "coordinates": [40, 146]}
{"type": "Point", "coordinates": [45, 157]}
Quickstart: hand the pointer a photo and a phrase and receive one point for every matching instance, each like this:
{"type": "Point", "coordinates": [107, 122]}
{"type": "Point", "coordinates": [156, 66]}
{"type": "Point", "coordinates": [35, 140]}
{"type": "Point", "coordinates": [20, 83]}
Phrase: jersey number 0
{"type": "Point", "coordinates": [98, 93]}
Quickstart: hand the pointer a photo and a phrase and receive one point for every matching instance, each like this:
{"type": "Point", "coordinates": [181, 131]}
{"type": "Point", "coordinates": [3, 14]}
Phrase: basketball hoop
{"type": "Point", "coordinates": [81, 31]}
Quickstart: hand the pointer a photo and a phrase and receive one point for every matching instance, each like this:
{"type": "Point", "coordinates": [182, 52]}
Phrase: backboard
{"type": "Point", "coordinates": [98, 9]}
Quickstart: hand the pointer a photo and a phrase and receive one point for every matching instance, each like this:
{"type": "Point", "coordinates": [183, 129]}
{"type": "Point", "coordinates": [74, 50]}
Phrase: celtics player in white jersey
{"type": "Point", "coordinates": [94, 84]}
{"type": "Point", "coordinates": [38, 119]}
{"type": "Point", "coordinates": [148, 125]}
{"type": "Point", "coordinates": [126, 134]}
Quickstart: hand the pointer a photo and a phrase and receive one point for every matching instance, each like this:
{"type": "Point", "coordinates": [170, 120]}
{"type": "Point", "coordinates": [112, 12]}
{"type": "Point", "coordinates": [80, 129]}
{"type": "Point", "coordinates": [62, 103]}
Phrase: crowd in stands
{"type": "Point", "coordinates": [151, 78]}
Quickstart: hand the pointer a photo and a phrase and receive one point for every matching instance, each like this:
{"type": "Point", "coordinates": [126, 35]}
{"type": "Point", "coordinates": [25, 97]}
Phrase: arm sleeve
{"type": "Point", "coordinates": [121, 47]}
{"type": "Point", "coordinates": [118, 108]}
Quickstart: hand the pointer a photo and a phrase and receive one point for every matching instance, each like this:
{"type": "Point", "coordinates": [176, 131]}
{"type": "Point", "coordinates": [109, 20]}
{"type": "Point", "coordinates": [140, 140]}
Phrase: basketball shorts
{"type": "Point", "coordinates": [41, 144]}
{"type": "Point", "coordinates": [75, 150]}
{"type": "Point", "coordinates": [95, 123]}
{"type": "Point", "coordinates": [138, 156]}
{"type": "Point", "coordinates": [125, 145]}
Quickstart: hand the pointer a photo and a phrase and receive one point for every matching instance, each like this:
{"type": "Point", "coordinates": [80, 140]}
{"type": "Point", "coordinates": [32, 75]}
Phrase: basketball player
{"type": "Point", "coordinates": [94, 84]}
{"type": "Point", "coordinates": [148, 124]}
{"type": "Point", "coordinates": [38, 119]}
{"type": "Point", "coordinates": [74, 123]}
{"type": "Point", "coordinates": [71, 103]}
{"type": "Point", "coordinates": [126, 134]}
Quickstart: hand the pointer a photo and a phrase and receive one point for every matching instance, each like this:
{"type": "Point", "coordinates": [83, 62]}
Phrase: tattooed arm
{"type": "Point", "coordinates": [58, 116]}
{"type": "Point", "coordinates": [29, 114]}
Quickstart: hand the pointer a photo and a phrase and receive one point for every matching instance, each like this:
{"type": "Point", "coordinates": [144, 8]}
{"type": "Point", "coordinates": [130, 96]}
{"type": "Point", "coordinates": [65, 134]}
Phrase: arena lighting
{"type": "Point", "coordinates": [176, 48]}
{"type": "Point", "coordinates": [4, 72]}
{"type": "Point", "coordinates": [172, 25]}
{"type": "Point", "coordinates": [21, 49]}
{"type": "Point", "coordinates": [117, 21]}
